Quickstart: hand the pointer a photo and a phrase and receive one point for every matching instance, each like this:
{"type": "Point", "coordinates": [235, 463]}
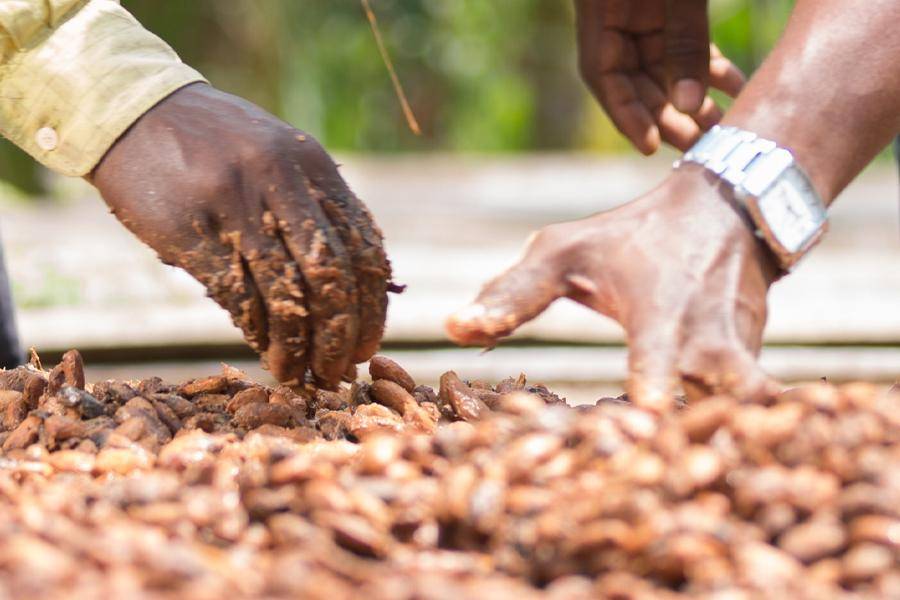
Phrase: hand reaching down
{"type": "Point", "coordinates": [679, 269]}
{"type": "Point", "coordinates": [257, 212]}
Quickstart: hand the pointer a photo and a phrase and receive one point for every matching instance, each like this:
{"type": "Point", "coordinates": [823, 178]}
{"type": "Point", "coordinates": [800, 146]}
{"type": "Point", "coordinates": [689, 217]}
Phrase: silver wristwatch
{"type": "Point", "coordinates": [775, 192]}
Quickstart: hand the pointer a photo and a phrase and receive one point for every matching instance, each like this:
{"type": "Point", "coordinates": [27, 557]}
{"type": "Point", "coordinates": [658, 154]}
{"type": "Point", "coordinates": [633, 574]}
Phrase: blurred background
{"type": "Point", "coordinates": [511, 140]}
{"type": "Point", "coordinates": [481, 76]}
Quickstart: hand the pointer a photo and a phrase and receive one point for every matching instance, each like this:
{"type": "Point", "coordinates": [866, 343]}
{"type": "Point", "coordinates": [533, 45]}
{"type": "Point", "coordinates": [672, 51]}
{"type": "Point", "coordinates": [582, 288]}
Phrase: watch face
{"type": "Point", "coordinates": [792, 210]}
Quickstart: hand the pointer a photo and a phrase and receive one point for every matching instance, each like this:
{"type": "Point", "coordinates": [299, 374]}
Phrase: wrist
{"type": "Point", "coordinates": [693, 195]}
{"type": "Point", "coordinates": [826, 92]}
{"type": "Point", "coordinates": [813, 153]}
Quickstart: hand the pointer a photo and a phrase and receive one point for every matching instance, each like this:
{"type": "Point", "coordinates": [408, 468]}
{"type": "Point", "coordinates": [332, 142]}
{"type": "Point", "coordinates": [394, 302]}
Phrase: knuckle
{"type": "Point", "coordinates": [551, 239]}
{"type": "Point", "coordinates": [281, 144]}
{"type": "Point", "coordinates": [684, 47]}
{"type": "Point", "coordinates": [219, 183]}
{"type": "Point", "coordinates": [259, 149]}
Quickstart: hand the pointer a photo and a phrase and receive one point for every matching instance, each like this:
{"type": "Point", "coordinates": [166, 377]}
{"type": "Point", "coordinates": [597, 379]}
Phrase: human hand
{"type": "Point", "coordinates": [257, 212]}
{"type": "Point", "coordinates": [679, 269]}
{"type": "Point", "coordinates": [648, 63]}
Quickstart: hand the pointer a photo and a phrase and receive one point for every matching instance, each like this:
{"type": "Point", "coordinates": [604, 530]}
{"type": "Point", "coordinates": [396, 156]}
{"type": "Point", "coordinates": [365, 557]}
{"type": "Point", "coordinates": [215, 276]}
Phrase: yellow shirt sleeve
{"type": "Point", "coordinates": [75, 74]}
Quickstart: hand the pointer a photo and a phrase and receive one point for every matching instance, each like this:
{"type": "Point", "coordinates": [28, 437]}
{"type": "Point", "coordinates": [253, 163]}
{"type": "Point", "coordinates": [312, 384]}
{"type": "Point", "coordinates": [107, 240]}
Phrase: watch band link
{"type": "Point", "coordinates": [748, 162]}
{"type": "Point", "coordinates": [773, 190]}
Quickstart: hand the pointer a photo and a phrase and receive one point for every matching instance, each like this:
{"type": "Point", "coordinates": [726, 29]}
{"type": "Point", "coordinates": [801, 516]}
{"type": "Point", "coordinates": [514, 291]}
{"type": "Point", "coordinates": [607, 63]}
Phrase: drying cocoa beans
{"type": "Point", "coordinates": [220, 487]}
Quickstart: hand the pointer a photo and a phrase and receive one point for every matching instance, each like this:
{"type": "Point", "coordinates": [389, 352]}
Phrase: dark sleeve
{"type": "Point", "coordinates": [10, 349]}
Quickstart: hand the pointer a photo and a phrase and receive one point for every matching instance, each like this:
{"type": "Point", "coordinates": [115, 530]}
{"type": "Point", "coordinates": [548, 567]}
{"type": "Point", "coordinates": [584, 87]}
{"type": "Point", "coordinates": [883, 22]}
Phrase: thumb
{"type": "Point", "coordinates": [687, 53]}
{"type": "Point", "coordinates": [515, 297]}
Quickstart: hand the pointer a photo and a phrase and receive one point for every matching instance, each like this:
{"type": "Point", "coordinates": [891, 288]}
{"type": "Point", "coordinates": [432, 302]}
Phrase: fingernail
{"type": "Point", "coordinates": [687, 95]}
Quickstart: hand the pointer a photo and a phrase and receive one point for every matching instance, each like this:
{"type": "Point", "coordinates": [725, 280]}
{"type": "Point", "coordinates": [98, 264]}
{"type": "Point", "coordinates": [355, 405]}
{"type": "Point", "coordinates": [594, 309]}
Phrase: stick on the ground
{"type": "Point", "coordinates": [398, 89]}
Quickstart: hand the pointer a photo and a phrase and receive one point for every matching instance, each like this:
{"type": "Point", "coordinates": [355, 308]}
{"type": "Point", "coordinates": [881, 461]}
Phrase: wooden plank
{"type": "Point", "coordinates": [451, 223]}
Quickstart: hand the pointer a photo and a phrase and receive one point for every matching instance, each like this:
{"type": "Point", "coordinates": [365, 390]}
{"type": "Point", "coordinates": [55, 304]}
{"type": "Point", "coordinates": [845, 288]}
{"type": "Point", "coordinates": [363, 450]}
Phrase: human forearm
{"type": "Point", "coordinates": [830, 91]}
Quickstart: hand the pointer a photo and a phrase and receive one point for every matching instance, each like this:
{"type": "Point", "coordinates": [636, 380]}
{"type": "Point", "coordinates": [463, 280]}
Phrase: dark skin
{"type": "Point", "coordinates": [679, 268]}
{"type": "Point", "coordinates": [692, 313]}
{"type": "Point", "coordinates": [256, 211]}
{"type": "Point", "coordinates": [649, 64]}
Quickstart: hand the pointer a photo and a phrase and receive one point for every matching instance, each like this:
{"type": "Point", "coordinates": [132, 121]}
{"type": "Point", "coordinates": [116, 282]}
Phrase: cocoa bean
{"type": "Point", "coordinates": [86, 405]}
{"type": "Point", "coordinates": [253, 415]}
{"type": "Point", "coordinates": [333, 425]}
{"type": "Point", "coordinates": [13, 409]}
{"type": "Point", "coordinates": [879, 529]}
{"type": "Point", "coordinates": [701, 420]}
{"type": "Point", "coordinates": [378, 452]}
{"type": "Point", "coordinates": [866, 561]}
{"type": "Point", "coordinates": [458, 395]}
{"type": "Point", "coordinates": [25, 434]}
{"type": "Point", "coordinates": [330, 400]}
{"type": "Point", "coordinates": [393, 395]}
{"type": "Point", "coordinates": [814, 539]}
{"type": "Point", "coordinates": [167, 416]}
{"type": "Point", "coordinates": [424, 393]}
{"type": "Point", "coordinates": [113, 392]}
{"type": "Point", "coordinates": [529, 451]}
{"type": "Point", "coordinates": [382, 367]}
{"type": "Point", "coordinates": [215, 403]}
{"type": "Point", "coordinates": [372, 418]}
{"type": "Point", "coordinates": [74, 461]}
{"type": "Point", "coordinates": [73, 369]}
{"type": "Point", "coordinates": [215, 384]}
{"type": "Point", "coordinates": [141, 409]}
{"type": "Point", "coordinates": [355, 534]}
{"type": "Point", "coordinates": [299, 403]}
{"type": "Point", "coordinates": [248, 396]}
{"type": "Point", "coordinates": [122, 460]}
{"type": "Point", "coordinates": [58, 429]}
{"type": "Point", "coordinates": [34, 387]}
{"type": "Point", "coordinates": [181, 407]}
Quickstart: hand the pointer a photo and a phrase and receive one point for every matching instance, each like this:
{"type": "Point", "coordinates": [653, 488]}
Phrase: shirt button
{"type": "Point", "coordinates": [46, 138]}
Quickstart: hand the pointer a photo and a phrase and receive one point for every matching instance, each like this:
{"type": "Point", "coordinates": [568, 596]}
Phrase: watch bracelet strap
{"type": "Point", "coordinates": [747, 162]}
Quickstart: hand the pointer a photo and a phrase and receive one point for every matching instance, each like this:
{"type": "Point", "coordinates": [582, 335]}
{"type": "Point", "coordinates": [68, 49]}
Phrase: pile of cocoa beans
{"type": "Point", "coordinates": [220, 487]}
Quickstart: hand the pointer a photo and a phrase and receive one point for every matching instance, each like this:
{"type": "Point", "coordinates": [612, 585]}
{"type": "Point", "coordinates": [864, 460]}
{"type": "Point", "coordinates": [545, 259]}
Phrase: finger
{"type": "Point", "coordinates": [724, 75]}
{"type": "Point", "coordinates": [278, 280]}
{"type": "Point", "coordinates": [652, 366]}
{"type": "Point", "coordinates": [708, 115]}
{"type": "Point", "coordinates": [506, 302]}
{"type": "Point", "coordinates": [370, 266]}
{"type": "Point", "coordinates": [676, 128]}
{"type": "Point", "coordinates": [605, 57]}
{"type": "Point", "coordinates": [687, 53]}
{"type": "Point", "coordinates": [218, 266]}
{"type": "Point", "coordinates": [331, 291]}
{"type": "Point", "coordinates": [727, 368]}
{"type": "Point", "coordinates": [631, 116]}
{"type": "Point", "coordinates": [364, 242]}
{"type": "Point", "coordinates": [603, 46]}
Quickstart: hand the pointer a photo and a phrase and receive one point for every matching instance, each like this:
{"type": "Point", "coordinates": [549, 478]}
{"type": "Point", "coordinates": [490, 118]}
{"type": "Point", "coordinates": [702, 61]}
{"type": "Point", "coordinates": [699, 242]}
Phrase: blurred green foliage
{"type": "Point", "coordinates": [480, 76]}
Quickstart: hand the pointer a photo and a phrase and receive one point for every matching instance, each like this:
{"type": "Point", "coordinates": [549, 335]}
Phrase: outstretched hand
{"type": "Point", "coordinates": [257, 212]}
{"type": "Point", "coordinates": [679, 269]}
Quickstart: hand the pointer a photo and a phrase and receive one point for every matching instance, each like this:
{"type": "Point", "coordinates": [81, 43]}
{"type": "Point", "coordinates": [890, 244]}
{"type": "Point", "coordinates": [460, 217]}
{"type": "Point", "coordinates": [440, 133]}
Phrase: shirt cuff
{"type": "Point", "coordinates": [68, 96]}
